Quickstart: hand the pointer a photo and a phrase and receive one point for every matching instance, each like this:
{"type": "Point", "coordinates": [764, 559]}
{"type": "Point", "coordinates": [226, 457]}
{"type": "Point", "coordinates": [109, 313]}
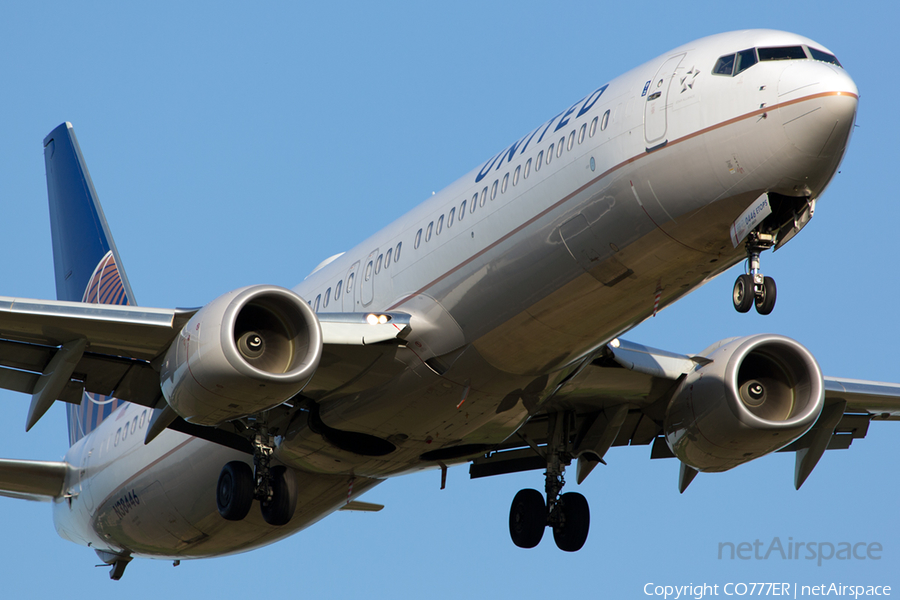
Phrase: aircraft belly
{"type": "Point", "coordinates": [545, 336]}
{"type": "Point", "coordinates": [168, 509]}
{"type": "Point", "coordinates": [471, 405]}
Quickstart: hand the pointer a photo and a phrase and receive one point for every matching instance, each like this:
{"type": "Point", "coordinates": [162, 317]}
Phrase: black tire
{"type": "Point", "coordinates": [234, 492]}
{"type": "Point", "coordinates": [280, 509]}
{"type": "Point", "coordinates": [743, 293]}
{"type": "Point", "coordinates": [766, 301]}
{"type": "Point", "coordinates": [571, 534]}
{"type": "Point", "coordinates": [527, 518]}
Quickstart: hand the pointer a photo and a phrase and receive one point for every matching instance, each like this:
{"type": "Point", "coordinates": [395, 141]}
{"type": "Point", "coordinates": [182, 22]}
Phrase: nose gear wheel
{"type": "Point", "coordinates": [753, 288]}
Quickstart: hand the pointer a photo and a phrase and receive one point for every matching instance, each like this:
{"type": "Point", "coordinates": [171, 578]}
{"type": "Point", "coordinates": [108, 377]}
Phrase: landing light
{"type": "Point", "coordinates": [373, 319]}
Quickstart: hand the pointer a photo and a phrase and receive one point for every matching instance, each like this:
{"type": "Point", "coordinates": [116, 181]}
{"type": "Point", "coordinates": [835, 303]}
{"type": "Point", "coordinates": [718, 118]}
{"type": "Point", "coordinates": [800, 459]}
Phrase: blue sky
{"type": "Point", "coordinates": [305, 129]}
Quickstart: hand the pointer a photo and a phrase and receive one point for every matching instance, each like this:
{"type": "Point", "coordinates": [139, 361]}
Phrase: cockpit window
{"type": "Point", "coordinates": [745, 60]}
{"type": "Point", "coordinates": [732, 64]}
{"type": "Point", "coordinates": [782, 53]}
{"type": "Point", "coordinates": [824, 57]}
{"type": "Point", "coordinates": [724, 66]}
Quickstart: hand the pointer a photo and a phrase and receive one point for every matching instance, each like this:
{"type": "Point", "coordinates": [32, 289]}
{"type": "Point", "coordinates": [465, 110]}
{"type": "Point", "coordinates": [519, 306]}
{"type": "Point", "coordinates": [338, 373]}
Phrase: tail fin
{"type": "Point", "coordinates": [85, 259]}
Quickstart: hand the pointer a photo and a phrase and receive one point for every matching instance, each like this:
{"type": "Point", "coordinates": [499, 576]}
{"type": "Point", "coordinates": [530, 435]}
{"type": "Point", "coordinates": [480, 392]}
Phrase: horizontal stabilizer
{"type": "Point", "coordinates": [32, 479]}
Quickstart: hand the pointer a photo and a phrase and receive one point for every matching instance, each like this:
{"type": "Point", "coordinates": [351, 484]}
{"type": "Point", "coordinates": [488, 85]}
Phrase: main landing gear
{"type": "Point", "coordinates": [754, 288]}
{"type": "Point", "coordinates": [239, 486]}
{"type": "Point", "coordinates": [568, 514]}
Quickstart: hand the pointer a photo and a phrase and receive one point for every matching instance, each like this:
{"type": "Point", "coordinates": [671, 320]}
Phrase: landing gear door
{"type": "Point", "coordinates": [656, 103]}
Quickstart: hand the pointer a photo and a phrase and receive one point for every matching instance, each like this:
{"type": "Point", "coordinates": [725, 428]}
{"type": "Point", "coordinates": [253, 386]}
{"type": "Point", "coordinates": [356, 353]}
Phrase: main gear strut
{"type": "Point", "coordinates": [567, 514]}
{"type": "Point", "coordinates": [238, 486]}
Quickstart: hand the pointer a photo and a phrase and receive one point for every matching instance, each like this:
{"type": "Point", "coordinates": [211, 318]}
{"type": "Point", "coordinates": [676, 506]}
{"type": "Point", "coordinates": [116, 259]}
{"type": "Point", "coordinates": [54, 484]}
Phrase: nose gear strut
{"type": "Point", "coordinates": [753, 287]}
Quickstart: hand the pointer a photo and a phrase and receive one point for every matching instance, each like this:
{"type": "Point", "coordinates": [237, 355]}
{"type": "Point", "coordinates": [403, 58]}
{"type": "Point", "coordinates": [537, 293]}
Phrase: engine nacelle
{"type": "Point", "coordinates": [243, 353]}
{"type": "Point", "coordinates": [759, 394]}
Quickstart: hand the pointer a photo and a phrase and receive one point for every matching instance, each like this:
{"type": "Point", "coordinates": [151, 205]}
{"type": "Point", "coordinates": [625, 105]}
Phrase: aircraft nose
{"type": "Point", "coordinates": [817, 106]}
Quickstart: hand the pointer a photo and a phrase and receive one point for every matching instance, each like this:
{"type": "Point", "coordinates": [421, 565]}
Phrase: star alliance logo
{"type": "Point", "coordinates": [687, 82]}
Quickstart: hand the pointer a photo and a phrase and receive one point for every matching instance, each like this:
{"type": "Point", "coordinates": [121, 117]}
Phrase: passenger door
{"type": "Point", "coordinates": [367, 283]}
{"type": "Point", "coordinates": [350, 285]}
{"type": "Point", "coordinates": [657, 101]}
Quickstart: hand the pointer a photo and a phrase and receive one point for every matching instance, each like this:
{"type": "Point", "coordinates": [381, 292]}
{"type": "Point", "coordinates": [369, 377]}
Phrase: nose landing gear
{"type": "Point", "coordinates": [754, 288]}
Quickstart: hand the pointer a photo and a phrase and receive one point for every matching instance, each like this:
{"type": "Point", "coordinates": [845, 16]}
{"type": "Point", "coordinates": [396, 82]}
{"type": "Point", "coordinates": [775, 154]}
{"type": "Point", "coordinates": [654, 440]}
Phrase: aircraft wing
{"type": "Point", "coordinates": [618, 397]}
{"type": "Point", "coordinates": [58, 350]}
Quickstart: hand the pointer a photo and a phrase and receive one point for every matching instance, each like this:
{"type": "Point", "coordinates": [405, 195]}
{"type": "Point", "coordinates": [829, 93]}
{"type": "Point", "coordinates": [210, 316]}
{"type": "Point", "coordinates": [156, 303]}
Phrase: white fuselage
{"type": "Point", "coordinates": [512, 274]}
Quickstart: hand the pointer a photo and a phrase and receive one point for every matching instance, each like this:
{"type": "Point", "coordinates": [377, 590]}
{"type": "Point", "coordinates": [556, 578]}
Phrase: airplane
{"type": "Point", "coordinates": [482, 327]}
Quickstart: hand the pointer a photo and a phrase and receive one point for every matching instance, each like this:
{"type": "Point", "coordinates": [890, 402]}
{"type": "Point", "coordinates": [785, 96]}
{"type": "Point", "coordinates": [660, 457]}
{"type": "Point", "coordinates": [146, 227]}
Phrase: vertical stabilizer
{"type": "Point", "coordinates": [83, 246]}
{"type": "Point", "coordinates": [85, 259]}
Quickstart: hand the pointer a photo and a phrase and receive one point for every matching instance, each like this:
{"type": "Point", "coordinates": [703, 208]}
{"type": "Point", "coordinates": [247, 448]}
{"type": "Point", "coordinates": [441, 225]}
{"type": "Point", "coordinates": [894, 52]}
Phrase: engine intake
{"type": "Point", "coordinates": [759, 394]}
{"type": "Point", "coordinates": [243, 353]}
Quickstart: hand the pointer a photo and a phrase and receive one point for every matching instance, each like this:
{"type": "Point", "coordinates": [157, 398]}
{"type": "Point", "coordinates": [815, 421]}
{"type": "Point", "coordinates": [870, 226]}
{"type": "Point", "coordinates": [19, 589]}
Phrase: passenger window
{"type": "Point", "coordinates": [350, 281]}
{"type": "Point", "coordinates": [571, 140]}
{"type": "Point", "coordinates": [745, 60]}
{"type": "Point", "coordinates": [397, 252]}
{"type": "Point", "coordinates": [724, 66]}
{"type": "Point", "coordinates": [450, 217]}
{"type": "Point", "coordinates": [593, 127]}
{"type": "Point", "coordinates": [516, 175]}
{"type": "Point", "coordinates": [539, 161]}
{"type": "Point", "coordinates": [337, 290]}
{"type": "Point", "coordinates": [550, 153]}
{"type": "Point", "coordinates": [462, 210]}
{"type": "Point", "coordinates": [387, 258]}
{"type": "Point", "coordinates": [428, 231]}
{"type": "Point", "coordinates": [378, 264]}
{"type": "Point", "coordinates": [581, 133]}
{"type": "Point", "coordinates": [368, 276]}
{"type": "Point", "coordinates": [327, 298]}
{"type": "Point", "coordinates": [605, 121]}
{"type": "Point", "coordinates": [416, 245]}
{"type": "Point", "coordinates": [440, 225]}
{"type": "Point", "coordinates": [494, 190]}
{"type": "Point", "coordinates": [319, 297]}
{"type": "Point", "coordinates": [474, 202]}
{"type": "Point", "coordinates": [559, 147]}
{"type": "Point", "coordinates": [527, 169]}
{"type": "Point", "coordinates": [484, 196]}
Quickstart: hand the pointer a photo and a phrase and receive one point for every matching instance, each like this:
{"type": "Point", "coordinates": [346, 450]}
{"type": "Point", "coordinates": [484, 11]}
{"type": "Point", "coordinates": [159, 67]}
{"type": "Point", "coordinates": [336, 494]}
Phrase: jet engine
{"type": "Point", "coordinates": [243, 353]}
{"type": "Point", "coordinates": [759, 394]}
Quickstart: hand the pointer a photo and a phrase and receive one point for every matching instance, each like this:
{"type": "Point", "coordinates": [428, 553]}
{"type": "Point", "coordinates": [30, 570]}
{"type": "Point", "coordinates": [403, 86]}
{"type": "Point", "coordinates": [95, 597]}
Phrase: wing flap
{"type": "Point", "coordinates": [21, 365]}
{"type": "Point", "coordinates": [18, 381]}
